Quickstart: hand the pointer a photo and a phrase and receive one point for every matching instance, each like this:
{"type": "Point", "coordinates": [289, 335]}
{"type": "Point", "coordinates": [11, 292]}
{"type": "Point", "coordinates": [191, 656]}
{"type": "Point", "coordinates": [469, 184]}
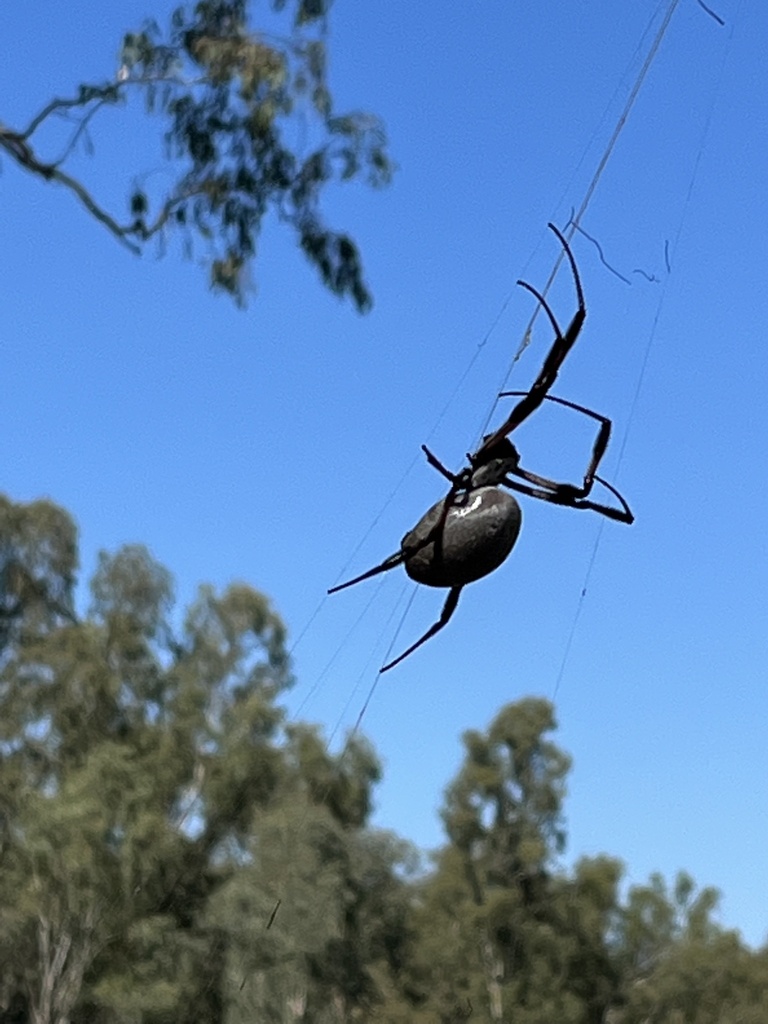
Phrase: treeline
{"type": "Point", "coordinates": [172, 849]}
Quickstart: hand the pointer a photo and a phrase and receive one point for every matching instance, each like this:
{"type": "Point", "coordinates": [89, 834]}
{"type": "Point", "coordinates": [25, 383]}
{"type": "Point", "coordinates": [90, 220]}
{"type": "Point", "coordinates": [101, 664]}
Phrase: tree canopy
{"type": "Point", "coordinates": [174, 849]}
{"type": "Point", "coordinates": [250, 130]}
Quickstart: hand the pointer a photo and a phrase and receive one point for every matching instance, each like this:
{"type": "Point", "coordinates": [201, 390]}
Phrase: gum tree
{"type": "Point", "coordinates": [250, 131]}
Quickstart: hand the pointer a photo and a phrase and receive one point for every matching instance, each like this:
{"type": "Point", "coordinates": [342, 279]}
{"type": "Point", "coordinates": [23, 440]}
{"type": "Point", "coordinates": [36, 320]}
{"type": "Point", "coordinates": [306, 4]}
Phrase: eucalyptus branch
{"type": "Point", "coordinates": [14, 143]}
{"type": "Point", "coordinates": [140, 229]}
{"type": "Point", "coordinates": [88, 93]}
{"type": "Point", "coordinates": [82, 125]}
{"type": "Point", "coordinates": [107, 93]}
{"type": "Point", "coordinates": [223, 128]}
{"type": "Point", "coordinates": [98, 212]}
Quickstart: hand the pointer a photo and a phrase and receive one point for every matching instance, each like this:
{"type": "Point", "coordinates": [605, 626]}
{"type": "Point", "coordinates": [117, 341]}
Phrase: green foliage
{"type": "Point", "coordinates": [133, 764]}
{"type": "Point", "coordinates": [38, 562]}
{"type": "Point", "coordinates": [155, 807]}
{"type": "Point", "coordinates": [512, 939]}
{"type": "Point", "coordinates": [504, 809]}
{"type": "Point", "coordinates": [498, 932]}
{"type": "Point", "coordinates": [678, 966]}
{"type": "Point", "coordinates": [251, 129]}
{"type": "Point", "coordinates": [172, 850]}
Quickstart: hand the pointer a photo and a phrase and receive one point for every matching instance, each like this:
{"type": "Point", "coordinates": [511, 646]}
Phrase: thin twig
{"type": "Point", "coordinates": [81, 127]}
{"type": "Point", "coordinates": [140, 229]}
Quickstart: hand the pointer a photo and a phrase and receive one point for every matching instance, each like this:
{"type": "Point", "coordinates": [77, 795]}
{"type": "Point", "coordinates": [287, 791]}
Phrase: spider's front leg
{"type": "Point", "coordinates": [564, 342]}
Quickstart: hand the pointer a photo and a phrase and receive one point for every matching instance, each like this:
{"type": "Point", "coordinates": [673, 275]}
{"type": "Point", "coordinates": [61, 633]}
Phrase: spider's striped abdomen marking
{"type": "Point", "coordinates": [479, 532]}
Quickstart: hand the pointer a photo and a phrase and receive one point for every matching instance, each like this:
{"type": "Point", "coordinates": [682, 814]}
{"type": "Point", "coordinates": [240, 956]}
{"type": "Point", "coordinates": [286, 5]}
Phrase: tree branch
{"type": "Point", "coordinates": [81, 128]}
{"type": "Point", "coordinates": [87, 94]}
{"type": "Point", "coordinates": [224, 134]}
{"type": "Point", "coordinates": [100, 214]}
{"type": "Point", "coordinates": [107, 93]}
{"type": "Point", "coordinates": [15, 145]}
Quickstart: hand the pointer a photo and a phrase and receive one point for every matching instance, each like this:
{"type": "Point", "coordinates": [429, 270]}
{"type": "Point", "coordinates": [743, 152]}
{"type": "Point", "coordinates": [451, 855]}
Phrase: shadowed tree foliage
{"type": "Point", "coordinates": [132, 766]}
{"type": "Point", "coordinates": [340, 929]}
{"type": "Point", "coordinates": [155, 806]}
{"type": "Point", "coordinates": [173, 851]}
{"type": "Point", "coordinates": [679, 967]}
{"type": "Point", "coordinates": [38, 562]}
{"type": "Point", "coordinates": [250, 129]}
{"type": "Point", "coordinates": [501, 934]}
{"type": "Point", "coordinates": [497, 932]}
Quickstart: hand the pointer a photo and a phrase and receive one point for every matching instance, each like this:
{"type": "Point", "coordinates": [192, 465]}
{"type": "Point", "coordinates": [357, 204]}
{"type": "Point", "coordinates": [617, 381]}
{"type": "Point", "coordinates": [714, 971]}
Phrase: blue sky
{"type": "Point", "coordinates": [262, 445]}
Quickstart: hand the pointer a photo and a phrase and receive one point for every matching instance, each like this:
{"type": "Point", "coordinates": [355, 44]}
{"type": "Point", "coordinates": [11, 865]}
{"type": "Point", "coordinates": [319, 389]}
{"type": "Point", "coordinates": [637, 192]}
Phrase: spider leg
{"type": "Point", "coordinates": [386, 565]}
{"type": "Point", "coordinates": [458, 482]}
{"type": "Point", "coordinates": [624, 515]}
{"type": "Point", "coordinates": [445, 616]}
{"type": "Point", "coordinates": [436, 533]}
{"type": "Point", "coordinates": [598, 449]}
{"type": "Point", "coordinates": [437, 464]}
{"type": "Point", "coordinates": [563, 344]}
{"type": "Point", "coordinates": [565, 496]}
{"type": "Point", "coordinates": [547, 309]}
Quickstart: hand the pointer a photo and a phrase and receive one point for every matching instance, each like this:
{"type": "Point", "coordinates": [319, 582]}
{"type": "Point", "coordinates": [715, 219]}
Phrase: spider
{"type": "Point", "coordinates": [471, 531]}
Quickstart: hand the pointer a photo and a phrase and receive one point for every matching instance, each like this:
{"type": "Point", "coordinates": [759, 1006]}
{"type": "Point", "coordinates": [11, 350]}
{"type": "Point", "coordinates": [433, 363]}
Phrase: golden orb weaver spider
{"type": "Point", "coordinates": [471, 531]}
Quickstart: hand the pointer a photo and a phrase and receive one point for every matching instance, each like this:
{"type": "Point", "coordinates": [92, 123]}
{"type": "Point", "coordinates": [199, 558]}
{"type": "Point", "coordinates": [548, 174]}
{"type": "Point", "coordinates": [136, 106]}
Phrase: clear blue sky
{"type": "Point", "coordinates": [261, 445]}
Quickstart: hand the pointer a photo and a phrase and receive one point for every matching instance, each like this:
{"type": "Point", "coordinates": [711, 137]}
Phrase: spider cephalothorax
{"type": "Point", "coordinates": [472, 530]}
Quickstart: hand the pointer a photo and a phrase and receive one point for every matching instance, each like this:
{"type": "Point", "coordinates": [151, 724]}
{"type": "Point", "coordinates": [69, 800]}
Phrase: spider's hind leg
{"type": "Point", "coordinates": [445, 616]}
{"type": "Point", "coordinates": [386, 565]}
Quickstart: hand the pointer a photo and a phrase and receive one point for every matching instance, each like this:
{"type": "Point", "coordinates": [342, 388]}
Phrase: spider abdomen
{"type": "Point", "coordinates": [479, 532]}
